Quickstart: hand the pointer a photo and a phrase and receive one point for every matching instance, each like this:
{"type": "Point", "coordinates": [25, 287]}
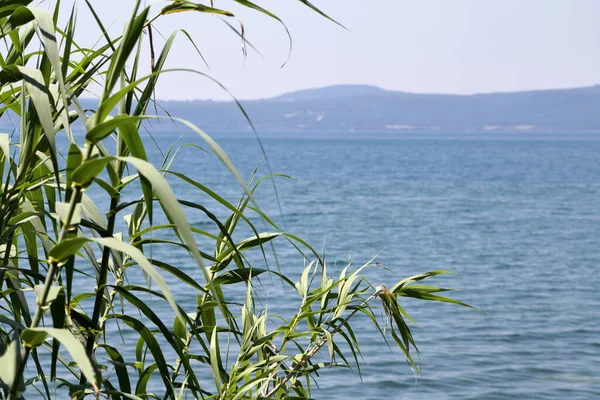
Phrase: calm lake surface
{"type": "Point", "coordinates": [517, 217]}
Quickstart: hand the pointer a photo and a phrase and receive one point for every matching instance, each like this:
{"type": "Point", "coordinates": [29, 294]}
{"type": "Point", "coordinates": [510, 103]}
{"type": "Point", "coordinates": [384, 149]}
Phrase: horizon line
{"type": "Point", "coordinates": [374, 87]}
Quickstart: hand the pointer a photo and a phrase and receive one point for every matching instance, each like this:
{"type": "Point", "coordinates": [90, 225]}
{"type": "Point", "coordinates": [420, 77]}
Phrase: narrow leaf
{"type": "Point", "coordinates": [75, 349]}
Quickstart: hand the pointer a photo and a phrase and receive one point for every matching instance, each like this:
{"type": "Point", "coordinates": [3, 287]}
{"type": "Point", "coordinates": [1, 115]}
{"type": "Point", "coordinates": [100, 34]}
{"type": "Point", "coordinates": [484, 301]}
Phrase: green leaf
{"type": "Point", "coordinates": [144, 377]}
{"type": "Point", "coordinates": [183, 6]}
{"type": "Point", "coordinates": [237, 275]}
{"type": "Point", "coordinates": [214, 359]}
{"type": "Point", "coordinates": [120, 367]}
{"type": "Point", "coordinates": [170, 205]}
{"type": "Point", "coordinates": [8, 7]}
{"type": "Point", "coordinates": [10, 361]}
{"type": "Point", "coordinates": [131, 35]}
{"type": "Point", "coordinates": [258, 8]}
{"type": "Point", "coordinates": [179, 329]}
{"type": "Point", "coordinates": [53, 293]}
{"type": "Point", "coordinates": [33, 338]}
{"type": "Point", "coordinates": [84, 174]}
{"type": "Point", "coordinates": [129, 133]}
{"type": "Point", "coordinates": [47, 35]}
{"type": "Point", "coordinates": [73, 346]}
{"type": "Point", "coordinates": [62, 209]}
{"type": "Point", "coordinates": [227, 256]}
{"type": "Point", "coordinates": [69, 247]}
{"type": "Point", "coordinates": [425, 294]}
{"type": "Point", "coordinates": [10, 74]}
{"type": "Point", "coordinates": [105, 128]}
{"type": "Point", "coordinates": [66, 248]}
{"type": "Point", "coordinates": [416, 278]}
{"type": "Point", "coordinates": [36, 86]}
{"type": "Point", "coordinates": [146, 266]}
{"type": "Point", "coordinates": [178, 274]}
{"type": "Point", "coordinates": [19, 17]}
{"type": "Point", "coordinates": [148, 338]}
{"type": "Point", "coordinates": [314, 8]}
{"type": "Point", "coordinates": [74, 160]}
{"type": "Point", "coordinates": [330, 344]}
{"type": "Point", "coordinates": [91, 211]}
{"type": "Point", "coordinates": [58, 312]}
{"type": "Point", "coordinates": [4, 145]}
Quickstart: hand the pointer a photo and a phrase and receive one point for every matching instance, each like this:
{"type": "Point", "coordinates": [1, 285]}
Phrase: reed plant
{"type": "Point", "coordinates": [71, 276]}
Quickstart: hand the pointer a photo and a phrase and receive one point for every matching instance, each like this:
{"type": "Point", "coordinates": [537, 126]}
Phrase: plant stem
{"type": "Point", "coordinates": [189, 338]}
{"type": "Point", "coordinates": [102, 278]}
{"type": "Point", "coordinates": [7, 249]}
{"type": "Point", "coordinates": [39, 311]}
{"type": "Point", "coordinates": [315, 349]}
{"type": "Point", "coordinates": [188, 341]}
{"type": "Point", "coordinates": [103, 274]}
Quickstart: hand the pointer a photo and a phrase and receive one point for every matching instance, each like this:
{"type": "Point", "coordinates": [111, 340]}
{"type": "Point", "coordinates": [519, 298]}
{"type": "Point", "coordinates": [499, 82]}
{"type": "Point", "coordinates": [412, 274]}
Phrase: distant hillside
{"type": "Point", "coordinates": [369, 108]}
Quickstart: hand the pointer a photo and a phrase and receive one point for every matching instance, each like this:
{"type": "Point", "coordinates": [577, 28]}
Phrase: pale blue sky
{"type": "Point", "coordinates": [447, 46]}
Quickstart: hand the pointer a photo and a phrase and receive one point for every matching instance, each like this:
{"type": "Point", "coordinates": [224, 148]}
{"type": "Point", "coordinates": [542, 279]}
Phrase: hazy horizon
{"type": "Point", "coordinates": [377, 87]}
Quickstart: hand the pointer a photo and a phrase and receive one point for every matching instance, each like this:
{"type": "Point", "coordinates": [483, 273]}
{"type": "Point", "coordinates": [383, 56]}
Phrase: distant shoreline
{"type": "Point", "coordinates": [363, 109]}
{"type": "Point", "coordinates": [366, 109]}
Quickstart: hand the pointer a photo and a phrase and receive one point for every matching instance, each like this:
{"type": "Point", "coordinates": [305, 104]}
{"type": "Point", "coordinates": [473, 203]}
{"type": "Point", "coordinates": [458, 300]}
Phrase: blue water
{"type": "Point", "coordinates": [517, 217]}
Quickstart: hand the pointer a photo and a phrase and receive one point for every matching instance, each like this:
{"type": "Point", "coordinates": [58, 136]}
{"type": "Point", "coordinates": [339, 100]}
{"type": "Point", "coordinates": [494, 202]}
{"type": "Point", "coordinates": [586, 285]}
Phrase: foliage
{"type": "Point", "coordinates": [68, 275]}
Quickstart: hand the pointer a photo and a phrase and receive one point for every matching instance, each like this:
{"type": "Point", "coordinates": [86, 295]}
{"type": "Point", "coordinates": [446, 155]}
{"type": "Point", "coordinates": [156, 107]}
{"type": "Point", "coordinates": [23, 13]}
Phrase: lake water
{"type": "Point", "coordinates": [517, 217]}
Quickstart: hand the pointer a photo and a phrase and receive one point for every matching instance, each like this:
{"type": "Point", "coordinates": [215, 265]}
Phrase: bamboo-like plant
{"type": "Point", "coordinates": [64, 266]}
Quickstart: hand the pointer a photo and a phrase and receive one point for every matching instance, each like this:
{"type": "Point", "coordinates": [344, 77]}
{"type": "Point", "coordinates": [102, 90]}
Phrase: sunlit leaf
{"type": "Point", "coordinates": [183, 6]}
{"type": "Point", "coordinates": [53, 293]}
{"type": "Point", "coordinates": [73, 346]}
{"type": "Point", "coordinates": [10, 361]}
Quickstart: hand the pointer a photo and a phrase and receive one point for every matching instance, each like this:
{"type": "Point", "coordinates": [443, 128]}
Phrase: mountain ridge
{"type": "Point", "coordinates": [364, 88]}
{"type": "Point", "coordinates": [370, 108]}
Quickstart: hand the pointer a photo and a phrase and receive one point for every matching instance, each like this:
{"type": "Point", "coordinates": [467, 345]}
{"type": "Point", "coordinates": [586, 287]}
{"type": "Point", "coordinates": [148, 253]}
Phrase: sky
{"type": "Point", "coordinates": [425, 46]}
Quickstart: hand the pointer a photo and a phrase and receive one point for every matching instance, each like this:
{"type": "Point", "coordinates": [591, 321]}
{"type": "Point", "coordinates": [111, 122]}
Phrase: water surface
{"type": "Point", "coordinates": [515, 216]}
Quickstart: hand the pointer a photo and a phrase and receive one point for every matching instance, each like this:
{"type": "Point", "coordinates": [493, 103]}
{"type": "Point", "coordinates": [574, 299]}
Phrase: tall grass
{"type": "Point", "coordinates": [64, 266]}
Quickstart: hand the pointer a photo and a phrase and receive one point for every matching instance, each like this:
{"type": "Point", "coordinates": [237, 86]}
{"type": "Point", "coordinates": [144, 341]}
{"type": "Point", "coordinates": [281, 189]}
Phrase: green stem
{"type": "Point", "coordinates": [7, 250]}
{"type": "Point", "coordinates": [315, 349]}
{"type": "Point", "coordinates": [103, 275]}
{"type": "Point", "coordinates": [102, 278]}
{"type": "Point", "coordinates": [190, 336]}
{"type": "Point", "coordinates": [75, 198]}
{"type": "Point", "coordinates": [188, 342]}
